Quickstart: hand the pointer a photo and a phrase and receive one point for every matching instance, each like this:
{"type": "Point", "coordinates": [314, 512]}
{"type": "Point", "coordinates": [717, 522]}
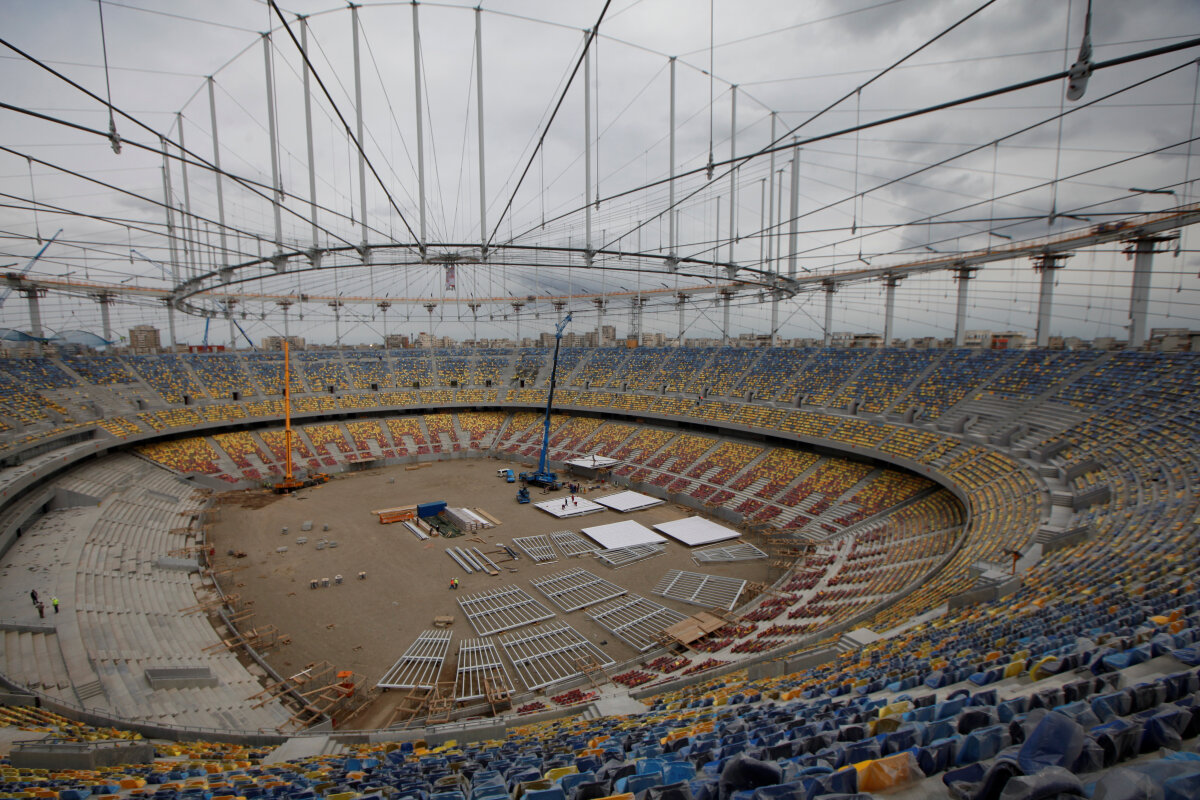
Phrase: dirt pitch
{"type": "Point", "coordinates": [365, 625]}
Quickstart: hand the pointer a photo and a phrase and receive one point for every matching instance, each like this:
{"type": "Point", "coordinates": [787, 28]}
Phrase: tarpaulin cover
{"type": "Point", "coordinates": [891, 772]}
{"type": "Point", "coordinates": [672, 791]}
{"type": "Point", "coordinates": [1053, 782]}
{"type": "Point", "coordinates": [1056, 742]}
{"type": "Point", "coordinates": [743, 772]}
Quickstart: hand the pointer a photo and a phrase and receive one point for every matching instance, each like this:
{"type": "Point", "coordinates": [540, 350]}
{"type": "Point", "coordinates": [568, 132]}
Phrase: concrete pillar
{"type": "Point", "coordinates": [889, 307]}
{"type": "Point", "coordinates": [105, 300]}
{"type": "Point", "coordinates": [830, 288]}
{"type": "Point", "coordinates": [727, 297]}
{"type": "Point", "coordinates": [1144, 248]}
{"type": "Point", "coordinates": [963, 275]}
{"type": "Point", "coordinates": [1046, 264]}
{"type": "Point", "coordinates": [680, 303]}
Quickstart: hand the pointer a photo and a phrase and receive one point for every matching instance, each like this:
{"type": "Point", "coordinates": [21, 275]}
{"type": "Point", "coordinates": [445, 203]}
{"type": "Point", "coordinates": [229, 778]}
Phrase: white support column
{"type": "Point", "coordinates": [383, 306]}
{"type": "Point", "coordinates": [963, 275]}
{"type": "Point", "coordinates": [889, 307]}
{"type": "Point", "coordinates": [285, 305]}
{"type": "Point", "coordinates": [475, 321]}
{"type": "Point", "coordinates": [168, 207]}
{"type": "Point", "coordinates": [830, 288]}
{"type": "Point", "coordinates": [1144, 248]}
{"type": "Point", "coordinates": [793, 216]}
{"type": "Point", "coordinates": [587, 153]}
{"type": "Point", "coordinates": [733, 173]}
{"type": "Point", "coordinates": [212, 111]}
{"type": "Point", "coordinates": [727, 298]}
{"type": "Point", "coordinates": [308, 131]}
{"type": "Point", "coordinates": [600, 303]}
{"type": "Point", "coordinates": [416, 26]}
{"type": "Point", "coordinates": [105, 300]}
{"type": "Point", "coordinates": [273, 134]}
{"type": "Point", "coordinates": [170, 322]}
{"type": "Point", "coordinates": [1046, 264]}
{"type": "Point", "coordinates": [35, 313]}
{"type": "Point", "coordinates": [774, 317]}
{"type": "Point", "coordinates": [336, 305]}
{"type": "Point", "coordinates": [190, 243]}
{"type": "Point", "coordinates": [680, 303]}
{"type": "Point", "coordinates": [770, 234]}
{"type": "Point", "coordinates": [671, 149]}
{"type": "Point", "coordinates": [362, 159]}
{"type": "Point", "coordinates": [232, 324]}
{"type": "Point", "coordinates": [483, 233]}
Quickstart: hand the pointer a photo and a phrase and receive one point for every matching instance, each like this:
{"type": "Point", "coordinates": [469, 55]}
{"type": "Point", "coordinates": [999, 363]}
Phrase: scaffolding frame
{"type": "Point", "coordinates": [550, 654]}
{"type": "Point", "coordinates": [537, 548]}
{"type": "Point", "coordinates": [572, 545]}
{"type": "Point", "coordinates": [502, 609]}
{"type": "Point", "coordinates": [710, 591]}
{"type": "Point", "coordinates": [421, 663]}
{"type": "Point", "coordinates": [576, 588]}
{"type": "Point", "coordinates": [481, 673]}
{"type": "Point", "coordinates": [635, 620]}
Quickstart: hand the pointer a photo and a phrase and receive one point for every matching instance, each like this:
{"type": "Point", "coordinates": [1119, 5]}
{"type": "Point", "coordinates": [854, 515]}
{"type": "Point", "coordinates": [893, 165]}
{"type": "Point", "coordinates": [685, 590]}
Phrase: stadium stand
{"type": "Point", "coordinates": [222, 374]}
{"type": "Point", "coordinates": [1083, 677]}
{"type": "Point", "coordinates": [167, 375]}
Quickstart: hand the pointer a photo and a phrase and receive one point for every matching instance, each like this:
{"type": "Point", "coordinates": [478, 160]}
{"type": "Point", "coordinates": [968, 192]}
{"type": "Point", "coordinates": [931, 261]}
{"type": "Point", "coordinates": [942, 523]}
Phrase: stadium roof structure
{"type": "Point", "coordinates": [496, 168]}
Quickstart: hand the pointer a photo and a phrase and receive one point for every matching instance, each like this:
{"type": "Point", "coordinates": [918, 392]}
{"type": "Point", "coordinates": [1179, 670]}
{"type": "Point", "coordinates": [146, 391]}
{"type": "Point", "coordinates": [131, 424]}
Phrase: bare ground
{"type": "Point", "coordinates": [365, 625]}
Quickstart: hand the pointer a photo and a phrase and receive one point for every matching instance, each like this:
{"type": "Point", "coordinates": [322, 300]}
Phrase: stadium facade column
{"type": "Point", "coordinates": [285, 305]}
{"type": "Point", "coordinates": [889, 307]}
{"type": "Point", "coordinates": [771, 204]}
{"type": "Point", "coordinates": [416, 27]}
{"type": "Point", "coordinates": [166, 173]}
{"type": "Point", "coordinates": [587, 154]}
{"type": "Point", "coordinates": [474, 320]}
{"type": "Point", "coordinates": [517, 305]}
{"type": "Point", "coordinates": [216, 143]}
{"type": "Point", "coordinates": [190, 243]}
{"type": "Point", "coordinates": [680, 303]}
{"type": "Point", "coordinates": [1046, 264]}
{"type": "Point", "coordinates": [314, 256]}
{"type": "Point", "coordinates": [733, 171]}
{"type": "Point", "coordinates": [229, 304]}
{"type": "Point", "coordinates": [1144, 248]}
{"type": "Point", "coordinates": [358, 112]}
{"type": "Point", "coordinates": [273, 135]}
{"type": "Point", "coordinates": [600, 302]}
{"type": "Point", "coordinates": [35, 315]}
{"type": "Point", "coordinates": [830, 287]}
{"type": "Point", "coordinates": [671, 216]}
{"type": "Point", "coordinates": [963, 275]}
{"type": "Point", "coordinates": [105, 300]}
{"type": "Point", "coordinates": [727, 297]}
{"type": "Point", "coordinates": [483, 235]}
{"type": "Point", "coordinates": [794, 213]}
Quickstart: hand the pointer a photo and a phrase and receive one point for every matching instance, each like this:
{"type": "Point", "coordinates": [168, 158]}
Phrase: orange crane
{"type": "Point", "coordinates": [290, 483]}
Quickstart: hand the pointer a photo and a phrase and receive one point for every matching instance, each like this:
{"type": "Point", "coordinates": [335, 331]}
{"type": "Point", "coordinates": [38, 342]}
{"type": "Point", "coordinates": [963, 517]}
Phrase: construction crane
{"type": "Point", "coordinates": [25, 269]}
{"type": "Point", "coordinates": [290, 482]}
{"type": "Point", "coordinates": [542, 477]}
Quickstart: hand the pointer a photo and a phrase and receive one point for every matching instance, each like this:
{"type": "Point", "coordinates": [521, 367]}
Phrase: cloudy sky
{"type": "Point", "coordinates": [960, 179]}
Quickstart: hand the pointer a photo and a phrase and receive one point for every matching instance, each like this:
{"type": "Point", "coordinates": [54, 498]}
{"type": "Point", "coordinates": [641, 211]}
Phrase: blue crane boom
{"type": "Point", "coordinates": [542, 477]}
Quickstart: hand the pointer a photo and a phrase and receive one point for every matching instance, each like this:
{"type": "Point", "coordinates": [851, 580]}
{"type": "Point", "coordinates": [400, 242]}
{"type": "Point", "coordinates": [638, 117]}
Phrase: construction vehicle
{"type": "Point", "coordinates": [543, 477]}
{"type": "Point", "coordinates": [523, 495]}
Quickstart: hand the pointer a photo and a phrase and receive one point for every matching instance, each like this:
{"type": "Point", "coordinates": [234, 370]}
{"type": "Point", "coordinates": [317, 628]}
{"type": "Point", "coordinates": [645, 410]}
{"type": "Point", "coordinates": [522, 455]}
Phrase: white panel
{"type": "Point", "coordinates": [593, 462]}
{"type": "Point", "coordinates": [696, 530]}
{"type": "Point", "coordinates": [569, 507]}
{"type": "Point", "coordinates": [622, 534]}
{"type": "Point", "coordinates": [628, 501]}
